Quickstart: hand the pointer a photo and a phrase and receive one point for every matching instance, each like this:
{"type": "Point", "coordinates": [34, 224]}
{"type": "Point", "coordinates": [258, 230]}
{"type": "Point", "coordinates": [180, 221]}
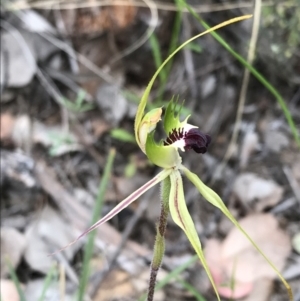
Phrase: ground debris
{"type": "Point", "coordinates": [13, 244]}
{"type": "Point", "coordinates": [8, 290]}
{"type": "Point", "coordinates": [256, 191]}
{"type": "Point", "coordinates": [73, 73]}
{"type": "Point", "coordinates": [16, 166]}
{"type": "Point", "coordinates": [236, 258]}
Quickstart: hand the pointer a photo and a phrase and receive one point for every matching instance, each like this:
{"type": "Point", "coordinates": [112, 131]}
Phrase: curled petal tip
{"type": "Point", "coordinates": [188, 138]}
{"type": "Point", "coordinates": [197, 141]}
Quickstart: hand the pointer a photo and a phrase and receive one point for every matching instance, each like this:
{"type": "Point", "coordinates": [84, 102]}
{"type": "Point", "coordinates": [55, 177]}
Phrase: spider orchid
{"type": "Point", "coordinates": [183, 136]}
{"type": "Point", "coordinates": [180, 135]}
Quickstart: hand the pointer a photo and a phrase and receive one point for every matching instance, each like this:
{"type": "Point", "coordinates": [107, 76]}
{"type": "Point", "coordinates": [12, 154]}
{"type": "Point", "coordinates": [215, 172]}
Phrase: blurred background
{"type": "Point", "coordinates": [72, 74]}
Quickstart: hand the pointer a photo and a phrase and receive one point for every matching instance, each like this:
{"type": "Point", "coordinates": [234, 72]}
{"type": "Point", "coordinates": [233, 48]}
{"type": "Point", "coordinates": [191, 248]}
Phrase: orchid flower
{"type": "Point", "coordinates": [180, 135]}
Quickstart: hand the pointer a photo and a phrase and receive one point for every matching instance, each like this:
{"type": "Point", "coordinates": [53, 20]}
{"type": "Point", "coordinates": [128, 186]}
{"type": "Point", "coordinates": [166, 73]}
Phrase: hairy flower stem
{"type": "Point", "coordinates": [159, 246]}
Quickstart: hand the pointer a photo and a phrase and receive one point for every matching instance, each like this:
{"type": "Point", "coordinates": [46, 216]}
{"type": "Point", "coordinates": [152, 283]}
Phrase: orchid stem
{"type": "Point", "coordinates": [159, 245]}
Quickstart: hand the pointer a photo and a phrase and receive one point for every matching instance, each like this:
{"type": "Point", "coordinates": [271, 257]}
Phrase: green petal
{"type": "Point", "coordinates": [147, 125]}
{"type": "Point", "coordinates": [122, 205]}
{"type": "Point", "coordinates": [182, 218]}
{"type": "Point", "coordinates": [171, 117]}
{"type": "Point", "coordinates": [160, 155]}
{"type": "Point", "coordinates": [214, 199]}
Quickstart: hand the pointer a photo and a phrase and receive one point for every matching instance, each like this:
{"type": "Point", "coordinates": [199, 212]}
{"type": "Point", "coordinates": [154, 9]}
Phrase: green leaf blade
{"type": "Point", "coordinates": [122, 135]}
{"type": "Point", "coordinates": [89, 247]}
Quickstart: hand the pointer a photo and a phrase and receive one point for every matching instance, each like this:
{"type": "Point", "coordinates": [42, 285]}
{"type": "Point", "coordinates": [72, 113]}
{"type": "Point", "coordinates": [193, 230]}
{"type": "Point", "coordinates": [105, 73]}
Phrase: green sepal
{"type": "Point", "coordinates": [142, 105]}
{"type": "Point", "coordinates": [215, 200]}
{"type": "Point", "coordinates": [171, 117]}
{"type": "Point", "coordinates": [182, 218]}
{"type": "Point", "coordinates": [160, 155]}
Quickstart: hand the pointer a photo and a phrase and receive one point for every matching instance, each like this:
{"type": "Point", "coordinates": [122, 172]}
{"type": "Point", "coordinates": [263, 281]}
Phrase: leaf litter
{"type": "Point", "coordinates": [256, 191]}
{"type": "Point", "coordinates": [32, 124]}
{"type": "Point", "coordinates": [237, 266]}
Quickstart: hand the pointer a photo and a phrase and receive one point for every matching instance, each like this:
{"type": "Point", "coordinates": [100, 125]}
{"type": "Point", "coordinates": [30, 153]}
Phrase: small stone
{"type": "Point", "coordinates": [112, 103]}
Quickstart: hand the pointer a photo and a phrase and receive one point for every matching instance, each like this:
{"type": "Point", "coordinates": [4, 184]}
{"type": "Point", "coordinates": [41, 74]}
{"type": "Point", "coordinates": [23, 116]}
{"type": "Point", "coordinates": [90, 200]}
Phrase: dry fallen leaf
{"type": "Point", "coordinates": [12, 247]}
{"type": "Point", "coordinates": [249, 187]}
{"type": "Point", "coordinates": [235, 258]}
{"type": "Point", "coordinates": [94, 21]}
{"type": "Point", "coordinates": [250, 265]}
{"type": "Point", "coordinates": [8, 291]}
{"type": "Point", "coordinates": [261, 290]}
{"type": "Point", "coordinates": [7, 122]}
{"type": "Point", "coordinates": [222, 280]}
{"type": "Point", "coordinates": [115, 286]}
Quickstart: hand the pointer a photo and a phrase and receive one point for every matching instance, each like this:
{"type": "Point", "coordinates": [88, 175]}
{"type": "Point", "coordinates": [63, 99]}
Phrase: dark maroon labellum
{"type": "Point", "coordinates": [197, 141]}
{"type": "Point", "coordinates": [193, 139]}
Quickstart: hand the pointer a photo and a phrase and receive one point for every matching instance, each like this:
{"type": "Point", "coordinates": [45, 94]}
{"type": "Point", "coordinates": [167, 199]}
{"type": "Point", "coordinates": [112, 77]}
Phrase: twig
{"type": "Point", "coordinates": [62, 29]}
{"type": "Point", "coordinates": [203, 8]}
{"type": "Point", "coordinates": [188, 59]}
{"type": "Point", "coordinates": [63, 262]}
{"type": "Point", "coordinates": [243, 92]}
{"type": "Point", "coordinates": [68, 81]}
{"type": "Point", "coordinates": [45, 81]}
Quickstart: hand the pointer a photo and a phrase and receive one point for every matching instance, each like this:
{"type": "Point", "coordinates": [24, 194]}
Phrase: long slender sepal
{"type": "Point", "coordinates": [215, 200]}
{"type": "Point", "coordinates": [144, 99]}
{"type": "Point", "coordinates": [126, 202]}
{"type": "Point", "coordinates": [182, 218]}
